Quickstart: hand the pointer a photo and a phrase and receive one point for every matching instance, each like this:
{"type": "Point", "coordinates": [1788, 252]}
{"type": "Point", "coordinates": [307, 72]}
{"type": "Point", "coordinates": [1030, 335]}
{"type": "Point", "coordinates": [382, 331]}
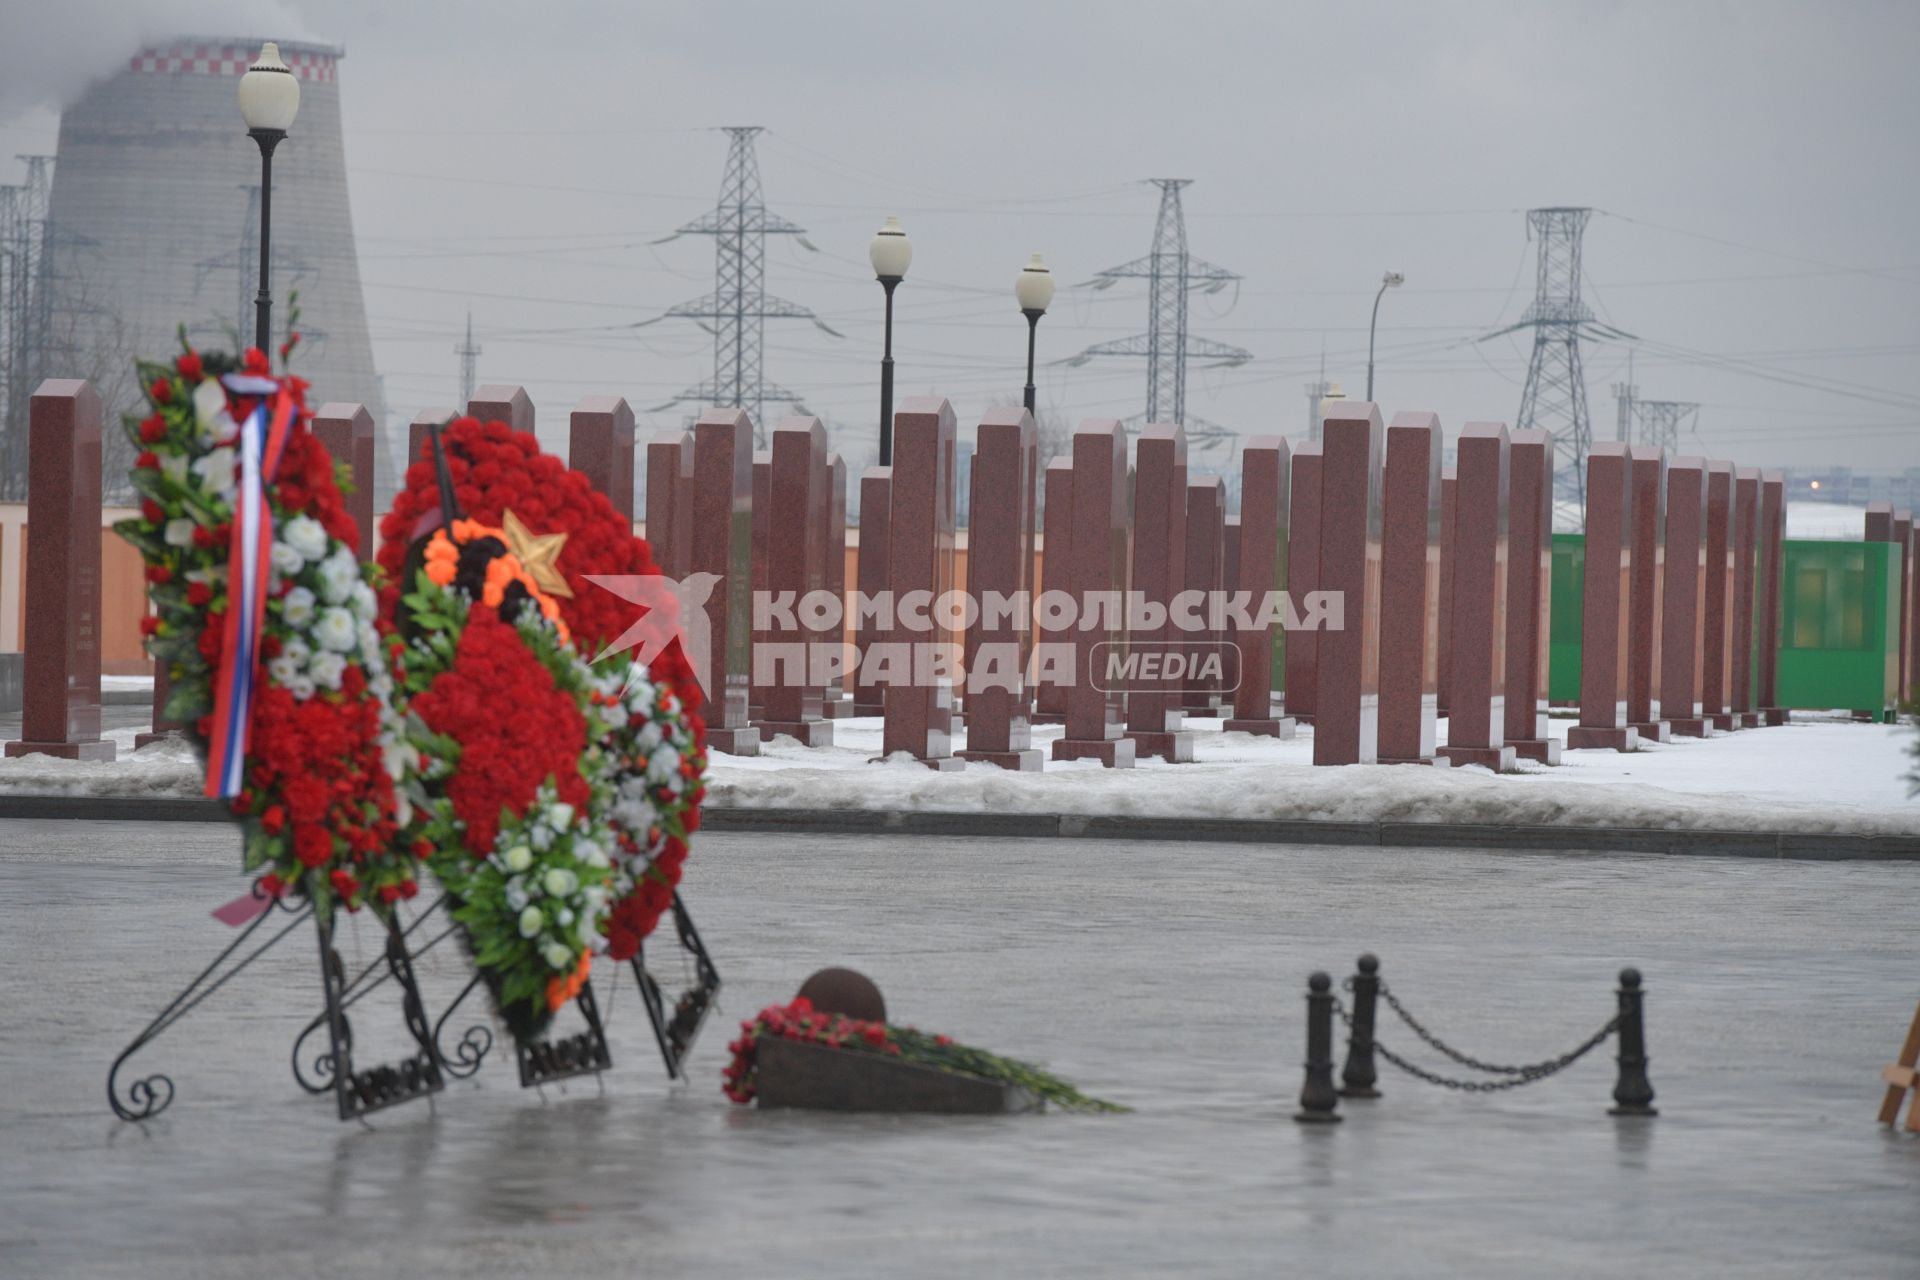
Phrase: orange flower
{"type": "Point", "coordinates": [561, 990]}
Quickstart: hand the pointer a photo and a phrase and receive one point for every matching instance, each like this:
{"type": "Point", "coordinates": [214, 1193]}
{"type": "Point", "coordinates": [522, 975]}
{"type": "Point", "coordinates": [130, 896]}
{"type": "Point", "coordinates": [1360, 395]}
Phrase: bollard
{"type": "Point", "coordinates": [1633, 1094]}
{"type": "Point", "coordinates": [1358, 1076]}
{"type": "Point", "coordinates": [1317, 1096]}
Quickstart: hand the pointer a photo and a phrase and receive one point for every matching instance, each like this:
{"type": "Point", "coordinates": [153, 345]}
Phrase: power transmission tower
{"type": "Point", "coordinates": [1658, 423]}
{"type": "Point", "coordinates": [26, 312]}
{"type": "Point", "coordinates": [1555, 396]}
{"type": "Point", "coordinates": [1172, 274]}
{"type": "Point", "coordinates": [737, 310]}
{"type": "Point", "coordinates": [469, 354]}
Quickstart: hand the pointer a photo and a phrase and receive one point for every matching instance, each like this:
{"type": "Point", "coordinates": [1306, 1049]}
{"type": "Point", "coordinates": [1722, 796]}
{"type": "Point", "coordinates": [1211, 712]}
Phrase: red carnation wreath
{"type": "Point", "coordinates": [651, 720]}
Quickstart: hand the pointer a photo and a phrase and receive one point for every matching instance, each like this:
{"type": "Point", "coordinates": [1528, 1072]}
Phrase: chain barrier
{"type": "Point", "coordinates": [1516, 1076]}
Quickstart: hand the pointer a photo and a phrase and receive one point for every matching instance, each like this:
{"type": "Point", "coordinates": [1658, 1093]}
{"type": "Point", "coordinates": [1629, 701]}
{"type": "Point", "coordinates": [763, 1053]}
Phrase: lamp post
{"type": "Point", "coordinates": [1033, 288]}
{"type": "Point", "coordinates": [269, 99]}
{"type": "Point", "coordinates": [891, 253]}
{"type": "Point", "coordinates": [1392, 280]}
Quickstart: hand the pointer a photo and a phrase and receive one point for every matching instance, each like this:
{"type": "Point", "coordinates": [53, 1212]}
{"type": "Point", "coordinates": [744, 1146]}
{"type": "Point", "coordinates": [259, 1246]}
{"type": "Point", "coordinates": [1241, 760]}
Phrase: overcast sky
{"type": "Point", "coordinates": [1752, 165]}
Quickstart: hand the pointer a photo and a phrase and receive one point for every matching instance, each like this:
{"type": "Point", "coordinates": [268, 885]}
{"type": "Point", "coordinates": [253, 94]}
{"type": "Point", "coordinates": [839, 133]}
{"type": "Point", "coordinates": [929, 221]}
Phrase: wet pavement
{"type": "Point", "coordinates": [1167, 978]}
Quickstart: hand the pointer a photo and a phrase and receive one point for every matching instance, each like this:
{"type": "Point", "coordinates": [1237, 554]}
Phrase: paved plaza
{"type": "Point", "coordinates": [1166, 978]}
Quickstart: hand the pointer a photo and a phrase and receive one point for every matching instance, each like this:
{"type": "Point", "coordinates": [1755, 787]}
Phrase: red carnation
{"type": "Point", "coordinates": [189, 366]}
{"type": "Point", "coordinates": [255, 362]}
{"type": "Point", "coordinates": [149, 624]}
{"type": "Point", "coordinates": [148, 460]}
{"type": "Point", "coordinates": [273, 819]}
{"type": "Point", "coordinates": [159, 573]}
{"type": "Point", "coordinates": [199, 594]}
{"type": "Point", "coordinates": [152, 510]}
{"type": "Point", "coordinates": [272, 885]}
{"type": "Point", "coordinates": [312, 845]}
{"type": "Point", "coordinates": [153, 430]}
{"type": "Point", "coordinates": [161, 390]}
{"type": "Point", "coordinates": [344, 884]}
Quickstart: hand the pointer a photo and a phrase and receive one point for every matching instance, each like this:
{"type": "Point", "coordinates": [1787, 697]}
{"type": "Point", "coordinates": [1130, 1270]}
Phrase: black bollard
{"type": "Point", "coordinates": [1633, 1093]}
{"type": "Point", "coordinates": [1317, 1096]}
{"type": "Point", "coordinates": [1358, 1077]}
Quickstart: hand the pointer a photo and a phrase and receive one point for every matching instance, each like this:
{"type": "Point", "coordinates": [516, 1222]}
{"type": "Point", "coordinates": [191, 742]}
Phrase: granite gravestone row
{"type": "Point", "coordinates": [1441, 577]}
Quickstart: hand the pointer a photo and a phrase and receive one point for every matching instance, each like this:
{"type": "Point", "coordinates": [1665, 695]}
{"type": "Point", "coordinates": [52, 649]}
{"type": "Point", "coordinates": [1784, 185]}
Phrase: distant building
{"type": "Point", "coordinates": [1852, 486]}
{"type": "Point", "coordinates": [153, 222]}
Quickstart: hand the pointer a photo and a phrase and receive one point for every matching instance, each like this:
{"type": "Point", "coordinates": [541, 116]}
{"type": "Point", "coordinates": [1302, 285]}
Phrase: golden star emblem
{"type": "Point", "coordinates": [538, 554]}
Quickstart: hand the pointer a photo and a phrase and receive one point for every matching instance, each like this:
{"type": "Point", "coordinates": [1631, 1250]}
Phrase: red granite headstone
{"type": "Point", "coordinates": [1346, 705]}
{"type": "Point", "coordinates": [347, 432]}
{"type": "Point", "coordinates": [1682, 586]}
{"type": "Point", "coordinates": [1096, 576]}
{"type": "Point", "coordinates": [998, 554]}
{"type": "Point", "coordinates": [1903, 536]}
{"type": "Point", "coordinates": [420, 429]}
{"type": "Point", "coordinates": [1745, 522]}
{"type": "Point", "coordinates": [836, 703]}
{"type": "Point", "coordinates": [1644, 632]}
{"type": "Point", "coordinates": [60, 703]}
{"type": "Point", "coordinates": [1716, 600]}
{"type": "Point", "coordinates": [721, 545]}
{"type": "Point", "coordinates": [762, 632]}
{"type": "Point", "coordinates": [1604, 601]}
{"type": "Point", "coordinates": [870, 583]}
{"type": "Point", "coordinates": [1443, 628]}
{"type": "Point", "coordinates": [1913, 615]}
{"type": "Point", "coordinates": [1477, 720]}
{"type": "Point", "coordinates": [1265, 463]}
{"type": "Point", "coordinates": [919, 698]}
{"type": "Point", "coordinates": [796, 567]}
{"type": "Point", "coordinates": [1301, 684]}
{"type": "Point", "coordinates": [670, 500]}
{"type": "Point", "coordinates": [503, 402]}
{"type": "Point", "coordinates": [1158, 570]}
{"type": "Point", "coordinates": [1204, 572]}
{"type": "Point", "coordinates": [600, 446]}
{"type": "Point", "coordinates": [1410, 520]}
{"type": "Point", "coordinates": [1772, 533]}
{"type": "Point", "coordinates": [1529, 591]}
{"type": "Point", "coordinates": [1883, 524]}
{"type": "Point", "coordinates": [1050, 695]}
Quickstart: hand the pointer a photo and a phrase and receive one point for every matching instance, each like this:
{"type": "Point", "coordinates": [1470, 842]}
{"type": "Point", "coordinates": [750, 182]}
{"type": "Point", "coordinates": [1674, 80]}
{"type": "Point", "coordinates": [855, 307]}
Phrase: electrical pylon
{"type": "Point", "coordinates": [26, 312]}
{"type": "Point", "coordinates": [1172, 273]}
{"type": "Point", "coordinates": [1555, 396]}
{"type": "Point", "coordinates": [469, 357]}
{"type": "Point", "coordinates": [737, 310]}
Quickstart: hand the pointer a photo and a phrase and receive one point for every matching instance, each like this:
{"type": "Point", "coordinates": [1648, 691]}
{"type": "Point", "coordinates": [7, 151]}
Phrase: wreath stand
{"type": "Point", "coordinates": [357, 1094]}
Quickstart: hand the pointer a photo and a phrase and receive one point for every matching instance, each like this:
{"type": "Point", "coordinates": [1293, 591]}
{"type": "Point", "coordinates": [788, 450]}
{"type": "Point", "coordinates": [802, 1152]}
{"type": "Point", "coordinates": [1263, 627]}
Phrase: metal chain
{"type": "Point", "coordinates": [1465, 1060]}
{"type": "Point", "coordinates": [1517, 1076]}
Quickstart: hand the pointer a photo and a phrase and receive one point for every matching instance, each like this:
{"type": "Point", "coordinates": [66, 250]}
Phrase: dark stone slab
{"type": "Point", "coordinates": [798, 1075]}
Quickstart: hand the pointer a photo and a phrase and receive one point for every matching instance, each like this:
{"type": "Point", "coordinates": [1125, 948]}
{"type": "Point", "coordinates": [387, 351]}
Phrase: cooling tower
{"type": "Point", "coordinates": [153, 222]}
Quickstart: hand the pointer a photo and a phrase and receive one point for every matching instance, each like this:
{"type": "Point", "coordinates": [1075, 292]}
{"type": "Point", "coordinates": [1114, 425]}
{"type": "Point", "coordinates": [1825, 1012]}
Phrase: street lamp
{"type": "Point", "coordinates": [1033, 288]}
{"type": "Point", "coordinates": [1392, 280]}
{"type": "Point", "coordinates": [269, 99]}
{"type": "Point", "coordinates": [891, 253]}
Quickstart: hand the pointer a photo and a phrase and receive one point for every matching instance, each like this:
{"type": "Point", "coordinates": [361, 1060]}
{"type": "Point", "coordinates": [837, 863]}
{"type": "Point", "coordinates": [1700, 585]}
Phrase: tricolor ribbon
{"type": "Point", "coordinates": [266, 423]}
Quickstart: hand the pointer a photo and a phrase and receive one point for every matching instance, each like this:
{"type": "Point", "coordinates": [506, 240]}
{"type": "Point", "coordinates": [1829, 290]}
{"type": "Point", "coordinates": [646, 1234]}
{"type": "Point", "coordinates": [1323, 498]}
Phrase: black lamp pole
{"type": "Point", "coordinates": [263, 301]}
{"type": "Point", "coordinates": [1033, 329]}
{"type": "Point", "coordinates": [889, 283]}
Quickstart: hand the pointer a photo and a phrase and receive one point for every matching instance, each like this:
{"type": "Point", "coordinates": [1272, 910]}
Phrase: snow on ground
{"type": "Point", "coordinates": [1815, 775]}
{"type": "Point", "coordinates": [1808, 519]}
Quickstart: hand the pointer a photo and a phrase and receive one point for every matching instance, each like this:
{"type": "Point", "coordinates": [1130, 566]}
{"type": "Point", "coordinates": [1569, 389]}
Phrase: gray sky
{"type": "Point", "coordinates": [1754, 164]}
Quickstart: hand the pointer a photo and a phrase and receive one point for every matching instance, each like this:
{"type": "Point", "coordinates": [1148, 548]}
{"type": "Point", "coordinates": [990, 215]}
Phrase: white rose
{"type": "Point", "coordinates": [648, 738]}
{"type": "Point", "coordinates": [179, 533]}
{"type": "Point", "coordinates": [557, 956]}
{"type": "Point", "coordinates": [560, 816]}
{"type": "Point", "coordinates": [296, 607]}
{"type": "Point", "coordinates": [286, 561]}
{"type": "Point", "coordinates": [365, 604]}
{"type": "Point", "coordinates": [530, 922]}
{"type": "Point", "coordinates": [174, 467]}
{"type": "Point", "coordinates": [519, 858]}
{"type": "Point", "coordinates": [297, 650]}
{"type": "Point", "coordinates": [283, 670]}
{"type": "Point", "coordinates": [559, 882]}
{"type": "Point", "coordinates": [301, 687]}
{"type": "Point", "coordinates": [665, 763]}
{"type": "Point", "coordinates": [305, 535]}
{"type": "Point", "coordinates": [326, 669]}
{"type": "Point", "coordinates": [338, 574]}
{"type": "Point", "coordinates": [589, 854]}
{"type": "Point", "coordinates": [541, 837]}
{"type": "Point", "coordinates": [565, 917]}
{"type": "Point", "coordinates": [516, 895]}
{"type": "Point", "coordinates": [336, 631]}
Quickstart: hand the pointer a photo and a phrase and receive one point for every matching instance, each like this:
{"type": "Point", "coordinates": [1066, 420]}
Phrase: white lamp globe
{"type": "Point", "coordinates": [269, 92]}
{"type": "Point", "coordinates": [1033, 287]}
{"type": "Point", "coordinates": [891, 252]}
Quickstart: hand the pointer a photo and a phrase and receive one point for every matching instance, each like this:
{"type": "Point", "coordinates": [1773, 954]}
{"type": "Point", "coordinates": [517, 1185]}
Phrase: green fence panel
{"type": "Point", "coordinates": [1839, 627]}
{"type": "Point", "coordinates": [1567, 609]}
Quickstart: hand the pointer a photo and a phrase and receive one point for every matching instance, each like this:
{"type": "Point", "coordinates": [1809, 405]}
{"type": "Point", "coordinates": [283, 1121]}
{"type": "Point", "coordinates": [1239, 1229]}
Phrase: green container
{"type": "Point", "coordinates": [1839, 627]}
{"type": "Point", "coordinates": [1566, 610]}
